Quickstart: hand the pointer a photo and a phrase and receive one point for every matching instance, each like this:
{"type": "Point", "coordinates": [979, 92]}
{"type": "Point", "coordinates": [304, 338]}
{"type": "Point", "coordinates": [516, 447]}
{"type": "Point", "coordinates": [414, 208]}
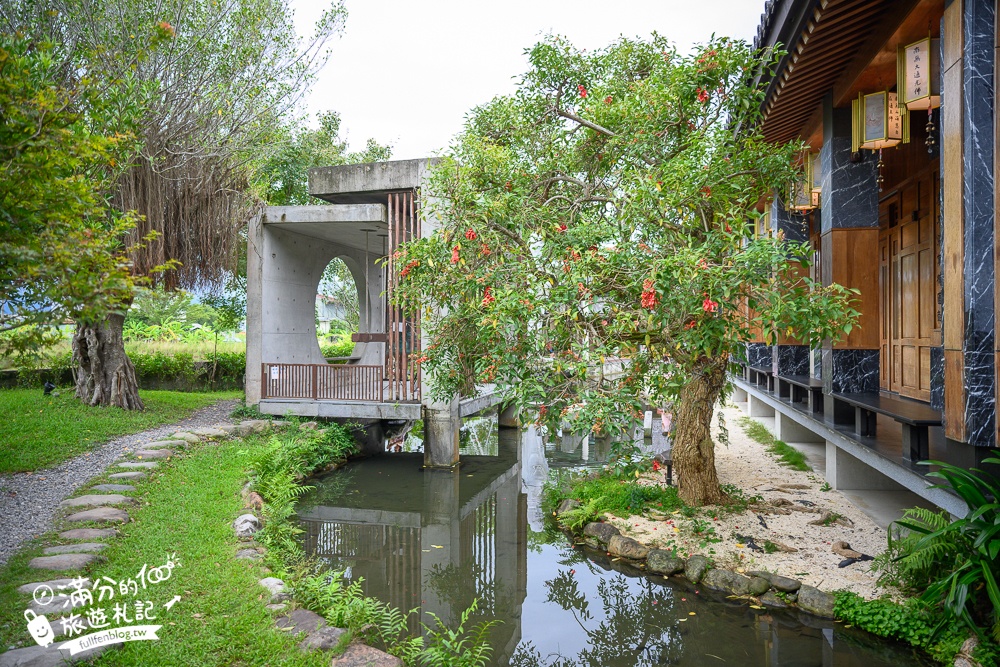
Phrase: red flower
{"type": "Point", "coordinates": [562, 227]}
{"type": "Point", "coordinates": [488, 297]}
{"type": "Point", "coordinates": [702, 263]}
{"type": "Point", "coordinates": [707, 191]}
{"type": "Point", "coordinates": [454, 254]}
{"type": "Point", "coordinates": [702, 95]}
{"type": "Point", "coordinates": [709, 306]}
{"type": "Point", "coordinates": [691, 325]}
{"type": "Point", "coordinates": [649, 298]}
{"type": "Point", "coordinates": [583, 91]}
{"type": "Point", "coordinates": [470, 234]}
{"type": "Point", "coordinates": [656, 465]}
{"type": "Point", "coordinates": [508, 186]}
{"type": "Point", "coordinates": [485, 249]}
{"type": "Point", "coordinates": [406, 269]}
{"type": "Point", "coordinates": [607, 100]}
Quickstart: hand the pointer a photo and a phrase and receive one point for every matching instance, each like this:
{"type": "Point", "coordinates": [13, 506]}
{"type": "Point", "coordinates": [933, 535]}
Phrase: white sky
{"type": "Point", "coordinates": [407, 71]}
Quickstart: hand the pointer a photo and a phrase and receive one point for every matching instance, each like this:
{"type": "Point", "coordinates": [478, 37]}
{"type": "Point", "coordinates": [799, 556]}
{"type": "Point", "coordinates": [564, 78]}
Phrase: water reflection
{"type": "Point", "coordinates": [434, 541]}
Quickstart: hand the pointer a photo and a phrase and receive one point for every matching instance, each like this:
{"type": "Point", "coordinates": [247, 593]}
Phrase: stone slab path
{"type": "Point", "coordinates": [29, 501]}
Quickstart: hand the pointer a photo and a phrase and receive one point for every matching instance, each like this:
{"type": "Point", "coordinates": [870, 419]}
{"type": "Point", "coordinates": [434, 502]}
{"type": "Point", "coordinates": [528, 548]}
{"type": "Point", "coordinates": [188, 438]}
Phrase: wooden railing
{"type": "Point", "coordinates": [340, 382]}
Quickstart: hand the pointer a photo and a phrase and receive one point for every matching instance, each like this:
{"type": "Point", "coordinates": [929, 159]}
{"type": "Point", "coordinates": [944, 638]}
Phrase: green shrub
{"type": "Point", "coordinates": [910, 622]}
{"type": "Point", "coordinates": [953, 564]}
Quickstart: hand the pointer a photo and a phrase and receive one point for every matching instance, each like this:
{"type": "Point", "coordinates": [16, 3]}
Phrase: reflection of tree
{"type": "Point", "coordinates": [459, 584]}
{"type": "Point", "coordinates": [636, 629]}
{"type": "Point", "coordinates": [329, 491]}
{"type": "Point", "coordinates": [479, 435]}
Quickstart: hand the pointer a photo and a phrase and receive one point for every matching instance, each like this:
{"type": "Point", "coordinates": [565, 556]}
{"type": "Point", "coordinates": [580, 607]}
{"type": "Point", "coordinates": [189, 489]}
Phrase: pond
{"type": "Point", "coordinates": [435, 541]}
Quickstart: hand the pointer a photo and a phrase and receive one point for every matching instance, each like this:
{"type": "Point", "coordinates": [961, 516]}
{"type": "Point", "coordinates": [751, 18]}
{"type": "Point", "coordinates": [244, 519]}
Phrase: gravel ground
{"type": "Point", "coordinates": [746, 463]}
{"type": "Point", "coordinates": [28, 501]}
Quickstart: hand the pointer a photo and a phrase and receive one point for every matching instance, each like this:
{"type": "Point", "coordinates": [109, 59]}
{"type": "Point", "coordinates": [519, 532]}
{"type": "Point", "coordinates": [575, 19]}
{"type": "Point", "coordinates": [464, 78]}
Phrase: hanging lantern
{"type": "Point", "coordinates": [877, 122]}
{"type": "Point", "coordinates": [817, 175]}
{"type": "Point", "coordinates": [919, 77]}
{"type": "Point", "coordinates": [803, 194]}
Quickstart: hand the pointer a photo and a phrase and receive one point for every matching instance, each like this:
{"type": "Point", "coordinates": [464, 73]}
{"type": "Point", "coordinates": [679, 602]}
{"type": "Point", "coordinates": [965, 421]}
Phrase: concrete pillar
{"type": "Point", "coordinates": [845, 471]}
{"type": "Point", "coordinates": [787, 429]}
{"type": "Point", "coordinates": [508, 416]}
{"type": "Point", "coordinates": [739, 395]}
{"type": "Point", "coordinates": [442, 426]}
{"type": "Point", "coordinates": [758, 408]}
{"type": "Point", "coordinates": [255, 269]}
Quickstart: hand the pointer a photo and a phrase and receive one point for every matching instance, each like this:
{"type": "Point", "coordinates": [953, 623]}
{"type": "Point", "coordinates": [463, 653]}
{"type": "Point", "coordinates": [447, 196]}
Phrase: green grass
{"type": "Point", "coordinates": [787, 454]}
{"type": "Point", "coordinates": [186, 508]}
{"type": "Point", "coordinates": [39, 431]}
{"type": "Point", "coordinates": [623, 497]}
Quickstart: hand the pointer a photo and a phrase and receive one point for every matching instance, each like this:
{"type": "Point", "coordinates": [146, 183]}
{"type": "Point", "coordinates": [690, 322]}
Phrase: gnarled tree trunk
{"type": "Point", "coordinates": [693, 449]}
{"type": "Point", "coordinates": [105, 375]}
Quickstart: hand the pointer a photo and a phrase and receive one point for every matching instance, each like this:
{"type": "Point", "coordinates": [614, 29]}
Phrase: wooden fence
{"type": "Point", "coordinates": [332, 382]}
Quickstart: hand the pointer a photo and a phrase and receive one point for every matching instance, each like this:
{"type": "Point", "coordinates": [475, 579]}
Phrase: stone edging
{"type": "Point", "coordinates": [318, 635]}
{"type": "Point", "coordinates": [769, 590]}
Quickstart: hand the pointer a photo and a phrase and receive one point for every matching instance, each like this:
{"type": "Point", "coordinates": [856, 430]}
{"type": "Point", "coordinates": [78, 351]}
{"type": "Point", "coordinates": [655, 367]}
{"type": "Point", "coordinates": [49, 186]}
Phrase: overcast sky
{"type": "Point", "coordinates": [406, 72]}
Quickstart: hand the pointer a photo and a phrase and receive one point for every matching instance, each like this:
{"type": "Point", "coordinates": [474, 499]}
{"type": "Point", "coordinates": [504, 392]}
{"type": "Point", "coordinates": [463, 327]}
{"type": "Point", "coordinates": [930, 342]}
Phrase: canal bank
{"type": "Point", "coordinates": [421, 542]}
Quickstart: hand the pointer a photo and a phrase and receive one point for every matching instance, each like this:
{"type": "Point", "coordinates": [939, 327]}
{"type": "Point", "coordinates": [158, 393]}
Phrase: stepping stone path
{"type": "Point", "coordinates": [97, 500]}
{"type": "Point", "coordinates": [161, 444]}
{"type": "Point", "coordinates": [100, 515]}
{"type": "Point", "coordinates": [54, 584]}
{"type": "Point", "coordinates": [154, 453]}
{"type": "Point", "coordinates": [127, 475]}
{"type": "Point", "coordinates": [83, 554]}
{"type": "Point", "coordinates": [63, 561]}
{"type": "Point", "coordinates": [88, 533]}
{"type": "Point", "coordinates": [209, 432]}
{"type": "Point", "coordinates": [82, 548]}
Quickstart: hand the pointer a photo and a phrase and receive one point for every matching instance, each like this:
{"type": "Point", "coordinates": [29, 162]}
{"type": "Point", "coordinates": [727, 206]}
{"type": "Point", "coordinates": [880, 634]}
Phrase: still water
{"type": "Point", "coordinates": [434, 541]}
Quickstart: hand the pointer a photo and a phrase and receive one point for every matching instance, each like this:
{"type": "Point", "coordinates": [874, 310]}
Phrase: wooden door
{"type": "Point", "coordinates": [909, 258]}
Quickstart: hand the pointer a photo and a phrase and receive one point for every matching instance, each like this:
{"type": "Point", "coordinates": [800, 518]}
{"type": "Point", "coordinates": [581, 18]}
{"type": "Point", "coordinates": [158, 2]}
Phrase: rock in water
{"type": "Point", "coordinates": [816, 601]}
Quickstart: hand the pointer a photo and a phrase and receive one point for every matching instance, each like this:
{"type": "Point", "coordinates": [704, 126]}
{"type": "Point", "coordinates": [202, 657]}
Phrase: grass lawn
{"type": "Point", "coordinates": [186, 509]}
{"type": "Point", "coordinates": [40, 431]}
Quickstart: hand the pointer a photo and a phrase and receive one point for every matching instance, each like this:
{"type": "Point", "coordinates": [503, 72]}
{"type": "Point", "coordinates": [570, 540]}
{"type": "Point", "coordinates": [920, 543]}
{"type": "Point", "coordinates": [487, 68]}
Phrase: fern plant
{"type": "Point", "coordinates": [581, 515]}
{"type": "Point", "coordinates": [955, 562]}
{"type": "Point", "coordinates": [444, 647]}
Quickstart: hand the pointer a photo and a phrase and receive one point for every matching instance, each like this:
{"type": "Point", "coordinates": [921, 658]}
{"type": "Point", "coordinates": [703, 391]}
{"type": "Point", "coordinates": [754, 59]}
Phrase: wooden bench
{"type": "Point", "coordinates": [915, 418]}
{"type": "Point", "coordinates": [762, 376]}
{"type": "Point", "coordinates": [802, 389]}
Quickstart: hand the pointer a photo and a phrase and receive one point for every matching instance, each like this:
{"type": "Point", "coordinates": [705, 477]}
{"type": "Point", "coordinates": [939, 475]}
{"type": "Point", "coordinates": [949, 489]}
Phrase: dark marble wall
{"type": "Point", "coordinates": [817, 364]}
{"type": "Point", "coordinates": [791, 359]}
{"type": "Point", "coordinates": [850, 371]}
{"type": "Point", "coordinates": [937, 378]}
{"type": "Point", "coordinates": [795, 226]}
{"type": "Point", "coordinates": [758, 354]}
{"type": "Point", "coordinates": [850, 193]}
{"type": "Point", "coordinates": [977, 191]}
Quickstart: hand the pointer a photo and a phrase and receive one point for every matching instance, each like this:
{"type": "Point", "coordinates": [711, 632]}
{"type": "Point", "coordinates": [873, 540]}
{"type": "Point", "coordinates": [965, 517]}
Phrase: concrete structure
{"type": "Point", "coordinates": [372, 210]}
{"type": "Point", "coordinates": [911, 227]}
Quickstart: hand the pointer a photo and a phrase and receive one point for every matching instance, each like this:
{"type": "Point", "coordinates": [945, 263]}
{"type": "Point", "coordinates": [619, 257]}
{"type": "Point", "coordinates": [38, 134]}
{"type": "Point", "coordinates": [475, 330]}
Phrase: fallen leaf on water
{"type": "Point", "coordinates": [437, 546]}
{"type": "Point", "coordinates": [691, 613]}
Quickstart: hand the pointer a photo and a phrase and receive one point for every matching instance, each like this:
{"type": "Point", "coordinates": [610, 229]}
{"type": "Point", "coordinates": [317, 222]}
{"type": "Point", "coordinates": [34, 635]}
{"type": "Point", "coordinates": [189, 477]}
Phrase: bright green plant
{"type": "Point", "coordinates": [910, 622]}
{"type": "Point", "coordinates": [461, 647]}
{"type": "Point", "coordinates": [954, 563]}
{"type": "Point", "coordinates": [608, 210]}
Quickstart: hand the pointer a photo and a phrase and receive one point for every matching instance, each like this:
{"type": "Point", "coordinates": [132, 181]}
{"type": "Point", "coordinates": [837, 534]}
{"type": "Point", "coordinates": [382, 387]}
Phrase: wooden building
{"type": "Point", "coordinates": [895, 99]}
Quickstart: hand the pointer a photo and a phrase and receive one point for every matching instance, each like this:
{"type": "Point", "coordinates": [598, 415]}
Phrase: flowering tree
{"type": "Point", "coordinates": [598, 250]}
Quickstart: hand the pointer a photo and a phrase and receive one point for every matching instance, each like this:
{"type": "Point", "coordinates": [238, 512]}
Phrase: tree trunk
{"type": "Point", "coordinates": [105, 374]}
{"type": "Point", "coordinates": [693, 449]}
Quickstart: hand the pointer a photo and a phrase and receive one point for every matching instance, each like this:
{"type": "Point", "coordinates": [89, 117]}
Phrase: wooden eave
{"type": "Point", "coordinates": [831, 38]}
